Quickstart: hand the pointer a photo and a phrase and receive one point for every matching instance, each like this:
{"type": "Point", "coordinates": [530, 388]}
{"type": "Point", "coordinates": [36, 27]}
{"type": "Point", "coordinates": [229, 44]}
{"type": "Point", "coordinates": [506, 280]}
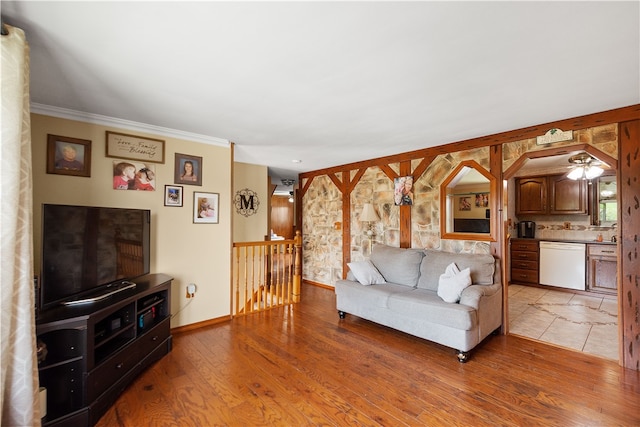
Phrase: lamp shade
{"type": "Point", "coordinates": [369, 213]}
{"type": "Point", "coordinates": [586, 167]}
{"type": "Point", "coordinates": [585, 172]}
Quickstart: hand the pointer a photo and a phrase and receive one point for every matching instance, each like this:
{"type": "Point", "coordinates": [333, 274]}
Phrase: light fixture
{"type": "Point", "coordinates": [290, 196]}
{"type": "Point", "coordinates": [586, 167]}
{"type": "Point", "coordinates": [287, 182]}
{"type": "Point", "coordinates": [369, 215]}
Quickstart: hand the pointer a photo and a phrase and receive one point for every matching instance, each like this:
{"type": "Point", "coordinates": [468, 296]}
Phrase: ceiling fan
{"type": "Point", "coordinates": [584, 166]}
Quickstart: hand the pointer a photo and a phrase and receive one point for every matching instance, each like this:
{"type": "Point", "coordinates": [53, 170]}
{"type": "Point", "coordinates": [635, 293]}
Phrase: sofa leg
{"type": "Point", "coordinates": [342, 314]}
{"type": "Point", "coordinates": [463, 356]}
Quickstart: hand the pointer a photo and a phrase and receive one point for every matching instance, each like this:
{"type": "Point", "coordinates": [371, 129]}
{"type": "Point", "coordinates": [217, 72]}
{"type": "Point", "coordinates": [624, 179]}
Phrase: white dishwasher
{"type": "Point", "coordinates": [563, 265]}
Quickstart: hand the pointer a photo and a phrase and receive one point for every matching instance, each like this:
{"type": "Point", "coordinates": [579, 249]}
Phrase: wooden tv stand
{"type": "Point", "coordinates": [95, 350]}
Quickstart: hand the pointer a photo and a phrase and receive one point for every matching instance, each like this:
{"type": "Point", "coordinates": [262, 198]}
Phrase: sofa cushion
{"type": "Point", "coordinates": [397, 265]}
{"type": "Point", "coordinates": [452, 282]}
{"type": "Point", "coordinates": [371, 296]}
{"type": "Point", "coordinates": [365, 272]}
{"type": "Point", "coordinates": [428, 306]}
{"type": "Point", "coordinates": [434, 263]}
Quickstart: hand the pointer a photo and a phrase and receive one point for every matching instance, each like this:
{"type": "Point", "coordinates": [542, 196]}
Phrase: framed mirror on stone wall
{"type": "Point", "coordinates": [466, 196]}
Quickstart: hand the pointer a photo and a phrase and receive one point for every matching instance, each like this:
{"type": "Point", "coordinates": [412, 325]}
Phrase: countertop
{"type": "Point", "coordinates": [591, 242]}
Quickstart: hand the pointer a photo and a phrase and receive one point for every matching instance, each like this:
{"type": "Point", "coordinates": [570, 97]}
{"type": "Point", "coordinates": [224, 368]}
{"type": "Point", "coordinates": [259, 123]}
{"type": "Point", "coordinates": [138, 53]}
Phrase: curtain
{"type": "Point", "coordinates": [19, 387]}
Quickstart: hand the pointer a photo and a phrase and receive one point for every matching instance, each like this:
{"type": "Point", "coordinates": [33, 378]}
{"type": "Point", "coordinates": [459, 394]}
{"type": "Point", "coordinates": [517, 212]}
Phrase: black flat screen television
{"type": "Point", "coordinates": [90, 252]}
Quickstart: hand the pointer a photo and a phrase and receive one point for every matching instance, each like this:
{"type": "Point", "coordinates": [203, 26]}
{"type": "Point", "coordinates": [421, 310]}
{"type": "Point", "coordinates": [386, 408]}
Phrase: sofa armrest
{"type": "Point", "coordinates": [471, 295]}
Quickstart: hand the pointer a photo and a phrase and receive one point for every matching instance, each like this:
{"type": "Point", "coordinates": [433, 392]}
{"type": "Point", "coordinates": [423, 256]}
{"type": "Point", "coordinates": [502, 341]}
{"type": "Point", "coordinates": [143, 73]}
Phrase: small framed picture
{"type": "Point", "coordinates": [464, 204]}
{"type": "Point", "coordinates": [188, 169]}
{"type": "Point", "coordinates": [403, 190]}
{"type": "Point", "coordinates": [173, 195]}
{"type": "Point", "coordinates": [68, 156]}
{"type": "Point", "coordinates": [205, 208]}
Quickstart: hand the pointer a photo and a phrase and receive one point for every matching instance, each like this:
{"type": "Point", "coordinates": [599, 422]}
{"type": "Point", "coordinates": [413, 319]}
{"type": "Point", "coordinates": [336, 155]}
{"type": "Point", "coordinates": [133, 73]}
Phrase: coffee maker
{"type": "Point", "coordinates": [526, 229]}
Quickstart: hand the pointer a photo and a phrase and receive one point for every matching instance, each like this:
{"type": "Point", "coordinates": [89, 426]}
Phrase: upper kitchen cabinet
{"type": "Point", "coordinates": [551, 195]}
{"type": "Point", "coordinates": [531, 195]}
{"type": "Point", "coordinates": [567, 196]}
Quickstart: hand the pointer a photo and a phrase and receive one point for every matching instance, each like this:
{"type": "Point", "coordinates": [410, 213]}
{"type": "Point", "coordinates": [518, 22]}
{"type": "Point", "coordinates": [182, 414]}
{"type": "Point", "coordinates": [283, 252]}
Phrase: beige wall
{"type": "Point", "coordinates": [190, 253]}
{"type": "Point", "coordinates": [251, 228]}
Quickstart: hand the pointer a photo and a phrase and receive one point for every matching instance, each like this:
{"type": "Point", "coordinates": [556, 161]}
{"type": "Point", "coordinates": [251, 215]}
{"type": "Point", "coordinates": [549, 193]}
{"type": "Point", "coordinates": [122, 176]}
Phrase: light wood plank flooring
{"type": "Point", "coordinates": [302, 366]}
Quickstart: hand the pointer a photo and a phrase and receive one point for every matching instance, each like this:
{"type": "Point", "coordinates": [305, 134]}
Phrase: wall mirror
{"type": "Point", "coordinates": [466, 197]}
{"type": "Point", "coordinates": [605, 197]}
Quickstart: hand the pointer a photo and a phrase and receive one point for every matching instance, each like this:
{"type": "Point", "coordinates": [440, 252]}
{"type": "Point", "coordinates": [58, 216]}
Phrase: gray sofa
{"type": "Point", "coordinates": [408, 300]}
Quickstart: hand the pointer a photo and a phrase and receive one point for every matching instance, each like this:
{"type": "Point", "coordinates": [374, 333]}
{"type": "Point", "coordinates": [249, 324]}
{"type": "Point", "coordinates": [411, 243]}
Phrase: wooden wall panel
{"type": "Point", "coordinates": [629, 268]}
{"type": "Point", "coordinates": [405, 210]}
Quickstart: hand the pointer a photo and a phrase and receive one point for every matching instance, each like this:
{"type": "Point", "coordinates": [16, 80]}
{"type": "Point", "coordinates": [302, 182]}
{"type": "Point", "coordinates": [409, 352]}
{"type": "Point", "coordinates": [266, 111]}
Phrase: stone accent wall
{"type": "Point", "coordinates": [376, 188]}
{"type": "Point", "coordinates": [322, 208]}
{"type": "Point", "coordinates": [425, 214]}
{"type": "Point", "coordinates": [322, 243]}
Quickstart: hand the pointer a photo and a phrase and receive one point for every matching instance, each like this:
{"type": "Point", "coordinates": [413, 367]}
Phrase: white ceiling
{"type": "Point", "coordinates": [330, 83]}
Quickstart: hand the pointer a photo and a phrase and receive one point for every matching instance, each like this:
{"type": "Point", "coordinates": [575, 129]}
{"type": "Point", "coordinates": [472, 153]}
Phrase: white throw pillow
{"type": "Point", "coordinates": [453, 282]}
{"type": "Point", "coordinates": [366, 273]}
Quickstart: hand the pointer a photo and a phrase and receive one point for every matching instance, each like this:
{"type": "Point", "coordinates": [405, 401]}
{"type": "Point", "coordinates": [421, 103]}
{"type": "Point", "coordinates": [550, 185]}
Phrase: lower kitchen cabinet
{"type": "Point", "coordinates": [524, 261]}
{"type": "Point", "coordinates": [602, 263]}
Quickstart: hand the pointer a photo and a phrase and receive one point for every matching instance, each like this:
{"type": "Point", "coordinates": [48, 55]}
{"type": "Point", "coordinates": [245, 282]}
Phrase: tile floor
{"type": "Point", "coordinates": [584, 323]}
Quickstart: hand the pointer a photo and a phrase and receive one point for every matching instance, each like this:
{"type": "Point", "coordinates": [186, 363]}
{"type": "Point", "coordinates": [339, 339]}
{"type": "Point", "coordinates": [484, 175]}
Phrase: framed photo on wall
{"type": "Point", "coordinates": [188, 169]}
{"type": "Point", "coordinates": [132, 175]}
{"type": "Point", "coordinates": [464, 204]}
{"type": "Point", "coordinates": [403, 190]}
{"type": "Point", "coordinates": [205, 208]}
{"type": "Point", "coordinates": [173, 195]}
{"type": "Point", "coordinates": [68, 156]}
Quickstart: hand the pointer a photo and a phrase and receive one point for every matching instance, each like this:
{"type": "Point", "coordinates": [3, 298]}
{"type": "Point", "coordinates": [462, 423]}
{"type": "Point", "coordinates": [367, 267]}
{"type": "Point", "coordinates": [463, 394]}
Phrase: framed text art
{"type": "Point", "coordinates": [205, 208]}
{"type": "Point", "coordinates": [133, 147]}
{"type": "Point", "coordinates": [68, 156]}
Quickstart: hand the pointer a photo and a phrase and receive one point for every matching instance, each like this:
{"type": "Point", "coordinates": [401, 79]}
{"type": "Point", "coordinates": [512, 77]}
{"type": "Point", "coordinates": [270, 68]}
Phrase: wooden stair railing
{"type": "Point", "coordinates": [266, 274]}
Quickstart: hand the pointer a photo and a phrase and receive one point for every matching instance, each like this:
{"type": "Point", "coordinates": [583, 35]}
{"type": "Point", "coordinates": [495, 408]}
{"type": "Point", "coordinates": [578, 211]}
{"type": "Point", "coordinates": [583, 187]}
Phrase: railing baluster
{"type": "Point", "coordinates": [267, 270]}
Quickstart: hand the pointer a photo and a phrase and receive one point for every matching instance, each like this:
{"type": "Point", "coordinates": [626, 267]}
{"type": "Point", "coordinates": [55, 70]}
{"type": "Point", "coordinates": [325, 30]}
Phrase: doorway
{"type": "Point", "coordinates": [576, 319]}
{"type": "Point", "coordinates": [282, 217]}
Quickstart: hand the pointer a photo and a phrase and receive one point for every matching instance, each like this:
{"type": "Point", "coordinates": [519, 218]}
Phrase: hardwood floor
{"type": "Point", "coordinates": [303, 366]}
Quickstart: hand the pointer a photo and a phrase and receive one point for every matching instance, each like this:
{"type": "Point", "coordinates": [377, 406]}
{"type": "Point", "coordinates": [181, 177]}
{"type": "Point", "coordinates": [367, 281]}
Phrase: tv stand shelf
{"type": "Point", "coordinates": [95, 350]}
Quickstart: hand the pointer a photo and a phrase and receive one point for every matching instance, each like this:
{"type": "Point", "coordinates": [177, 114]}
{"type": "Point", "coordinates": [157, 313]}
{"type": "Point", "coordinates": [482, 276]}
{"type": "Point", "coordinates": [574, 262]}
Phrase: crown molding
{"type": "Point", "coordinates": [66, 113]}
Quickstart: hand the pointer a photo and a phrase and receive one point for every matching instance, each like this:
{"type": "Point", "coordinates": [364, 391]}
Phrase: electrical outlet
{"type": "Point", "coordinates": [191, 290]}
{"type": "Point", "coordinates": [567, 225]}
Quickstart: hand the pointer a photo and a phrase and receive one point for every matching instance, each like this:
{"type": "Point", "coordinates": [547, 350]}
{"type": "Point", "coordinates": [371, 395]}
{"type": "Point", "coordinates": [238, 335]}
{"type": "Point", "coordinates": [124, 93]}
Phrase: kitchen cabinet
{"type": "Point", "coordinates": [531, 195]}
{"type": "Point", "coordinates": [602, 274]}
{"type": "Point", "coordinates": [525, 261]}
{"type": "Point", "coordinates": [551, 195]}
{"type": "Point", "coordinates": [567, 196]}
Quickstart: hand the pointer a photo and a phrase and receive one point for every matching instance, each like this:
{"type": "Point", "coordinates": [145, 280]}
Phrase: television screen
{"type": "Point", "coordinates": [85, 250]}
